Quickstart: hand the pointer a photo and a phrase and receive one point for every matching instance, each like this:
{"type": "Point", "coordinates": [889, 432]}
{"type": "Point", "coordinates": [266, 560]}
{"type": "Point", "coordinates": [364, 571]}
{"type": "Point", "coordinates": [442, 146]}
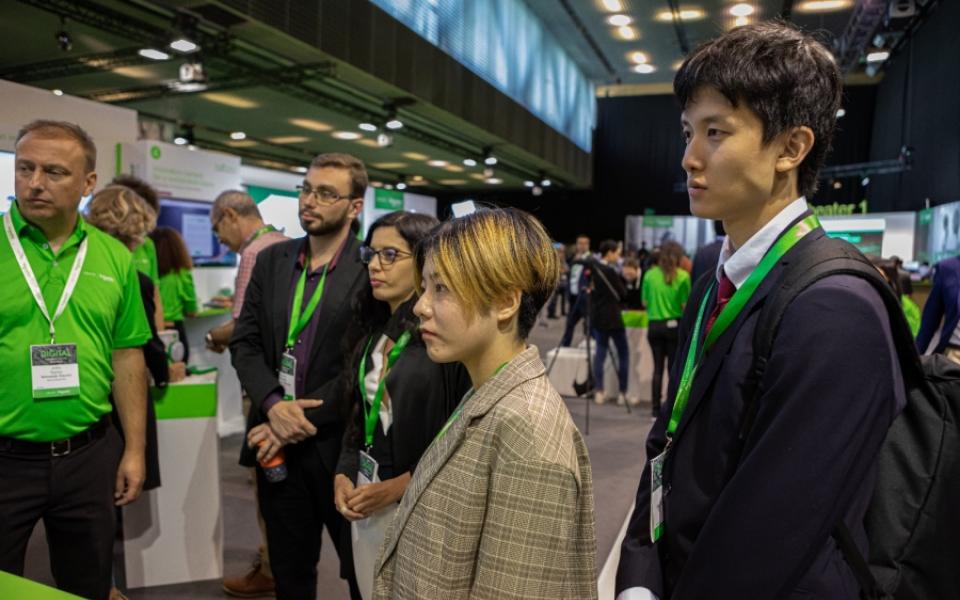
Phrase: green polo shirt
{"type": "Point", "coordinates": [145, 260]}
{"type": "Point", "coordinates": [177, 294]}
{"type": "Point", "coordinates": [664, 301]}
{"type": "Point", "coordinates": [105, 313]}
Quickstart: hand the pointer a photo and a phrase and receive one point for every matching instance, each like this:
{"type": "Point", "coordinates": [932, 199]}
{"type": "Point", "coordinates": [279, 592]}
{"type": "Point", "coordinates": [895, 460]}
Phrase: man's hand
{"type": "Point", "coordinates": [264, 441]}
{"type": "Point", "coordinates": [370, 498]}
{"type": "Point", "coordinates": [288, 421]}
{"type": "Point", "coordinates": [130, 477]}
{"type": "Point", "coordinates": [343, 489]}
{"type": "Point", "coordinates": [178, 371]}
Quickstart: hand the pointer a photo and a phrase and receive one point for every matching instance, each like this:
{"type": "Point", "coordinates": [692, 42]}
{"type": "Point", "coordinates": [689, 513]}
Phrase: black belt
{"type": "Point", "coordinates": [58, 447]}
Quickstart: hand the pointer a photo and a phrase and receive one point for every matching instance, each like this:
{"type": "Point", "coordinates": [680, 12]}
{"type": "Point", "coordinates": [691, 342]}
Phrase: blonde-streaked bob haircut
{"type": "Point", "coordinates": [121, 213]}
{"type": "Point", "coordinates": [490, 253]}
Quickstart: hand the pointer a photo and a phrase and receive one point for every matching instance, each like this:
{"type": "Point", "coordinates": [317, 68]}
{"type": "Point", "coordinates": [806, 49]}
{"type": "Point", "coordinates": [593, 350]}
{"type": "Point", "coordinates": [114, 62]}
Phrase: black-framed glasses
{"type": "Point", "coordinates": [324, 195]}
{"type": "Point", "coordinates": [216, 225]}
{"type": "Point", "coordinates": [388, 256]}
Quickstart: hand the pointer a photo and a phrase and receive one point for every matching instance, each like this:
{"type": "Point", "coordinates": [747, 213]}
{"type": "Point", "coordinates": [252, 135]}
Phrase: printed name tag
{"type": "Point", "coordinates": [54, 371]}
{"type": "Point", "coordinates": [288, 376]}
{"type": "Point", "coordinates": [656, 496]}
{"type": "Point", "coordinates": [367, 473]}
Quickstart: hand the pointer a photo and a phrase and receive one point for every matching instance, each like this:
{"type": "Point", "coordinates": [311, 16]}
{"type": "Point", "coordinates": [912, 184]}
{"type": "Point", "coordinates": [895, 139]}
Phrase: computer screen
{"type": "Point", "coordinates": [191, 219]}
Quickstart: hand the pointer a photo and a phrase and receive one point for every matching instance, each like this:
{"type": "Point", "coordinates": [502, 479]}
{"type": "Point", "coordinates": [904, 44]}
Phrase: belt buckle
{"type": "Point", "coordinates": [60, 448]}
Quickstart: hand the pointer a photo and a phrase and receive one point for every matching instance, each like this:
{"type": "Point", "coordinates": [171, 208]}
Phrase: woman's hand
{"type": "Point", "coordinates": [343, 489]}
{"type": "Point", "coordinates": [368, 499]}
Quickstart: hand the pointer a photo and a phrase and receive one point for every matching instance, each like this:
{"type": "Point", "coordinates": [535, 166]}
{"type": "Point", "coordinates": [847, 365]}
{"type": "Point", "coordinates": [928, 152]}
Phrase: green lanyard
{"type": "Point", "coordinates": [298, 320]}
{"type": "Point", "coordinates": [459, 410]}
{"type": "Point", "coordinates": [729, 314]}
{"type": "Point", "coordinates": [372, 415]}
{"type": "Point", "coordinates": [261, 231]}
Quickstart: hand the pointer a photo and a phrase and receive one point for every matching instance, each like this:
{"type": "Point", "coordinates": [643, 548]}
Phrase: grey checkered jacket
{"type": "Point", "coordinates": [501, 505]}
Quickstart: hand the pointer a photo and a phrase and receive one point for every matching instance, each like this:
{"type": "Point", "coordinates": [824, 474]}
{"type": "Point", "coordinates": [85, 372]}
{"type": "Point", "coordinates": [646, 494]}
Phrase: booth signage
{"type": "Point", "coordinates": [387, 199]}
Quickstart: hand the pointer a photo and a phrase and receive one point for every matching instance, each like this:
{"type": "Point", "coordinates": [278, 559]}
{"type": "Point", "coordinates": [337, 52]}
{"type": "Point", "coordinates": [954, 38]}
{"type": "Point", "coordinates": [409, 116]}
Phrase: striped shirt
{"type": "Point", "coordinates": [248, 258]}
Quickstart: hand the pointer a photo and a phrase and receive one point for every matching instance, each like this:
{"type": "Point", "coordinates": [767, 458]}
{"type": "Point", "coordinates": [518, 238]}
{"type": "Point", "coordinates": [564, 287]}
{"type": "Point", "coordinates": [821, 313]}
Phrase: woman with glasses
{"type": "Point", "coordinates": [400, 398]}
{"type": "Point", "coordinates": [501, 504]}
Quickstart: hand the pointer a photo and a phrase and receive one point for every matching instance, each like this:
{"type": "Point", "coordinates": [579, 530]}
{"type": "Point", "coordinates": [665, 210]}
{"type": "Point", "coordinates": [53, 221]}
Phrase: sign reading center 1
{"type": "Point", "coordinates": [387, 199]}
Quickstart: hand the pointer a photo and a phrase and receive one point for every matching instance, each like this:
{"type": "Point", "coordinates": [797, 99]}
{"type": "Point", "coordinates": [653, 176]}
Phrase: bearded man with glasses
{"type": "Point", "coordinates": [288, 352]}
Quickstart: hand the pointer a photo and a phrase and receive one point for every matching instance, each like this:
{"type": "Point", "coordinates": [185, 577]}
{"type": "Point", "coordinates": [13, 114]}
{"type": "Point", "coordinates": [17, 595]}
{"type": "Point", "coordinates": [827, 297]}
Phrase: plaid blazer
{"type": "Point", "coordinates": [501, 505]}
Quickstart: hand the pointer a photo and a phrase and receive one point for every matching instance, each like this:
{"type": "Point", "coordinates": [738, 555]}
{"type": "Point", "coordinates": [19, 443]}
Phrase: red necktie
{"type": "Point", "coordinates": [724, 291]}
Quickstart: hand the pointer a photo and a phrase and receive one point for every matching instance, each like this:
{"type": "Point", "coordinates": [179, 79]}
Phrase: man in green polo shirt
{"type": "Point", "coordinates": [71, 326]}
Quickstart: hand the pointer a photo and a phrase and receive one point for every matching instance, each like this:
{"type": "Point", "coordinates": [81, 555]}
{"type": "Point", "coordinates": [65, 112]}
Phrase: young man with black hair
{"type": "Point", "coordinates": [717, 517]}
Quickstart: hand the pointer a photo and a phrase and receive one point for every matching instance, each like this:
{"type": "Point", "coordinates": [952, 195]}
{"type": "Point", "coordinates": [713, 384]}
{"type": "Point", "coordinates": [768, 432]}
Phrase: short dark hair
{"type": "Point", "coordinates": [142, 188]}
{"type": "Point", "coordinates": [785, 76]}
{"type": "Point", "coordinates": [358, 172]}
{"type": "Point", "coordinates": [172, 252]}
{"type": "Point", "coordinates": [631, 262]}
{"type": "Point", "coordinates": [64, 129]}
{"type": "Point", "coordinates": [607, 246]}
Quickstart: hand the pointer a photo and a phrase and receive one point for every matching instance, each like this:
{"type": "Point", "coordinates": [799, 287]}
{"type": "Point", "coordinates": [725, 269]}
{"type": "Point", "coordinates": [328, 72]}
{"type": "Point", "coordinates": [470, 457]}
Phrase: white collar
{"type": "Point", "coordinates": [739, 263]}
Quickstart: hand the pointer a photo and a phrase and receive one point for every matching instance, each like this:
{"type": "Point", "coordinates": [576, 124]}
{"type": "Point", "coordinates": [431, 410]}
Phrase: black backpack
{"type": "Point", "coordinates": [913, 521]}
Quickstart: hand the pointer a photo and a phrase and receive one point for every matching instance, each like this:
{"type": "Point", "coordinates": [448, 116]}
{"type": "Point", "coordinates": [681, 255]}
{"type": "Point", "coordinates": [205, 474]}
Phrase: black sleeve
{"type": "Point", "coordinates": [348, 463]}
{"type": "Point", "coordinates": [247, 346]}
{"type": "Point", "coordinates": [154, 353]}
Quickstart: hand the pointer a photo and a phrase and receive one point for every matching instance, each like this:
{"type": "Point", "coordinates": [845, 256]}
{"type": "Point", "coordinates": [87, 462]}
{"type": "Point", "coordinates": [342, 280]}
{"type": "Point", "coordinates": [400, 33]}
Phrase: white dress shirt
{"type": "Point", "coordinates": [738, 264]}
{"type": "Point", "coordinates": [372, 381]}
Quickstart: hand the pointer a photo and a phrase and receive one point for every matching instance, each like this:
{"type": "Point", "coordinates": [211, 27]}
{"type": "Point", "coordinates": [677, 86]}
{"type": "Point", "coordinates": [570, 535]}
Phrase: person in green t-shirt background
{"type": "Point", "coordinates": [665, 290]}
{"type": "Point", "coordinates": [145, 254]}
{"type": "Point", "coordinates": [176, 281]}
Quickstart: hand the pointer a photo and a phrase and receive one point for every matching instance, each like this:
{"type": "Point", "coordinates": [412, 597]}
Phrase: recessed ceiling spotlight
{"type": "Point", "coordinates": [686, 14]}
{"type": "Point", "coordinates": [627, 33]}
{"type": "Point", "coordinates": [741, 21]}
{"type": "Point", "coordinates": [401, 186]}
{"type": "Point", "coordinates": [612, 5]}
{"type": "Point", "coordinates": [238, 135]}
{"type": "Point", "coordinates": [879, 56]}
{"type": "Point", "coordinates": [528, 183]}
{"type": "Point", "coordinates": [153, 54]}
{"type": "Point", "coordinates": [394, 123]}
{"type": "Point", "coordinates": [469, 162]}
{"type": "Point", "coordinates": [546, 182]}
{"type": "Point", "coordinates": [490, 161]}
{"type": "Point", "coordinates": [494, 181]}
{"type": "Point", "coordinates": [638, 57]}
{"type": "Point", "coordinates": [841, 112]}
{"type": "Point", "coordinates": [367, 126]}
{"type": "Point", "coordinates": [57, 92]}
{"type": "Point", "coordinates": [742, 10]}
{"type": "Point", "coordinates": [346, 135]}
{"type": "Point", "coordinates": [644, 69]}
{"type": "Point", "coordinates": [619, 20]}
{"type": "Point", "coordinates": [180, 141]}
{"type": "Point", "coordinates": [184, 45]}
{"type": "Point", "coordinates": [437, 163]}
{"type": "Point", "coordinates": [823, 5]}
{"type": "Point", "coordinates": [300, 169]}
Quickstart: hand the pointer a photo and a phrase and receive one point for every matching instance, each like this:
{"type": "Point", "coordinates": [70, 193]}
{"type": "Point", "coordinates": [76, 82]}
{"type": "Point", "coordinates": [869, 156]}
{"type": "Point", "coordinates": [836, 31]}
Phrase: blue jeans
{"type": "Point", "coordinates": [602, 338]}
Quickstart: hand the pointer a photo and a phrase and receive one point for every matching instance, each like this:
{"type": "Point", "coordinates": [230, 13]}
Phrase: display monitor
{"type": "Point", "coordinates": [191, 219]}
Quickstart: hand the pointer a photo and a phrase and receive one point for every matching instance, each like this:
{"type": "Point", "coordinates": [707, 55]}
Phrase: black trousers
{"type": "Point", "coordinates": [663, 345]}
{"type": "Point", "coordinates": [295, 511]}
{"type": "Point", "coordinates": [73, 494]}
{"type": "Point", "coordinates": [578, 308]}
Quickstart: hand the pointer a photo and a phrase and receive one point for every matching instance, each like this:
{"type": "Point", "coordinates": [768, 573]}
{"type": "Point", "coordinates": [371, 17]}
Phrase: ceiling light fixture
{"type": "Point", "coordinates": [644, 69]}
{"type": "Point", "coordinates": [487, 172]}
{"type": "Point", "coordinates": [488, 158]}
{"type": "Point", "coordinates": [741, 21]}
{"type": "Point", "coordinates": [184, 45]}
{"type": "Point", "coordinates": [627, 33]}
{"type": "Point", "coordinates": [841, 112]}
{"type": "Point", "coordinates": [384, 140]}
{"type": "Point", "coordinates": [394, 123]}
{"type": "Point", "coordinates": [823, 5]}
{"type": "Point", "coordinates": [300, 169]}
{"type": "Point", "coordinates": [401, 185]}
{"type": "Point", "coordinates": [619, 20]}
{"type": "Point", "coordinates": [546, 182]}
{"type": "Point", "coordinates": [346, 135]}
{"type": "Point", "coordinates": [57, 92]}
{"type": "Point", "coordinates": [742, 10]}
{"type": "Point", "coordinates": [230, 100]}
{"type": "Point", "coordinates": [238, 135]}
{"type": "Point", "coordinates": [416, 156]}
{"type": "Point", "coordinates": [494, 181]}
{"type": "Point", "coordinates": [304, 123]}
{"type": "Point", "coordinates": [469, 162]}
{"type": "Point", "coordinates": [528, 183]}
{"type": "Point", "coordinates": [180, 141]}
{"type": "Point", "coordinates": [879, 56]}
{"type": "Point", "coordinates": [685, 14]}
{"type": "Point", "coordinates": [612, 5]}
{"type": "Point", "coordinates": [367, 126]}
{"type": "Point", "coordinates": [153, 54]}
{"type": "Point", "coordinates": [638, 57]}
{"type": "Point", "coordinates": [288, 139]}
{"type": "Point", "coordinates": [437, 163]}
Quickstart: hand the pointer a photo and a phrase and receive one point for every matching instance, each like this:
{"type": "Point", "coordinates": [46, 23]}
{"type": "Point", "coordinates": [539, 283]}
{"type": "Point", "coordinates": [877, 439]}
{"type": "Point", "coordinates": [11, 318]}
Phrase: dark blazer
{"type": "Point", "coordinates": [943, 304]}
{"type": "Point", "coordinates": [423, 395]}
{"type": "Point", "coordinates": [261, 332]}
{"type": "Point", "coordinates": [756, 524]}
{"type": "Point", "coordinates": [706, 259]}
{"type": "Point", "coordinates": [606, 299]}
